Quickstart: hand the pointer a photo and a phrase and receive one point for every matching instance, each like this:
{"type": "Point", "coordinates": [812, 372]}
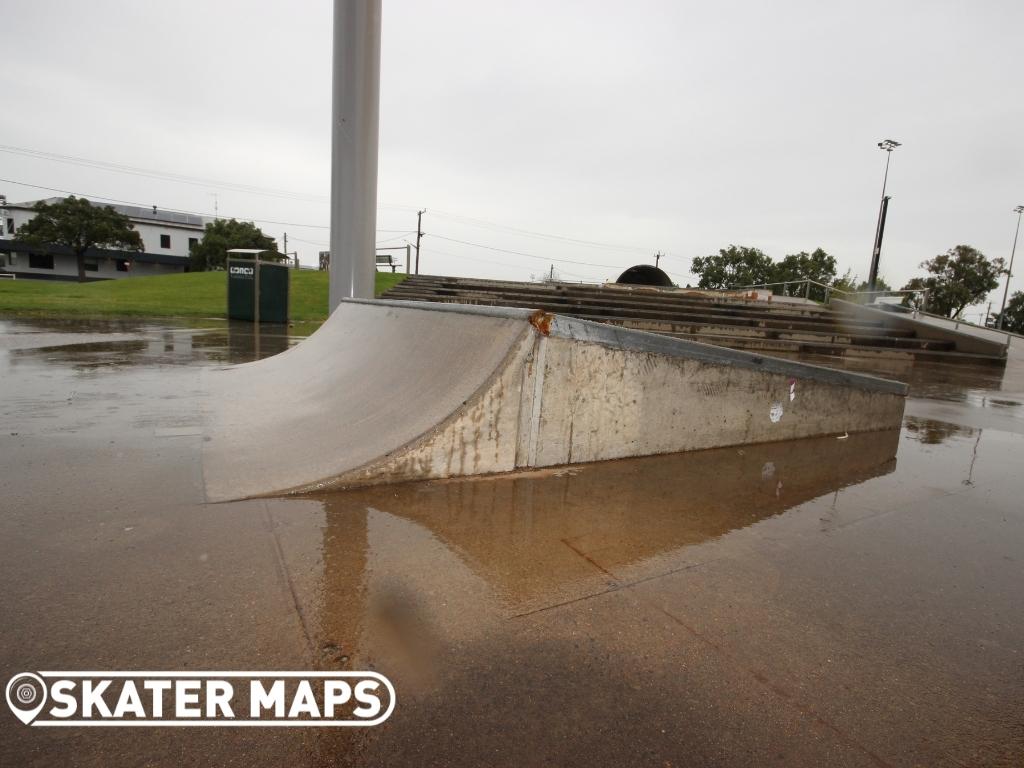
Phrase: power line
{"type": "Point", "coordinates": [477, 259]}
{"type": "Point", "coordinates": [291, 195]}
{"type": "Point", "coordinates": [396, 237]}
{"type": "Point", "coordinates": [180, 210]}
{"type": "Point", "coordinates": [531, 233]}
{"type": "Point", "coordinates": [175, 177]}
{"type": "Point", "coordinates": [162, 175]}
{"type": "Point", "coordinates": [402, 233]}
{"type": "Point", "coordinates": [310, 242]}
{"type": "Point", "coordinates": [522, 253]}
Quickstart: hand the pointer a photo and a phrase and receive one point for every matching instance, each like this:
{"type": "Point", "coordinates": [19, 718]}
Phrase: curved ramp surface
{"type": "Point", "coordinates": [393, 391]}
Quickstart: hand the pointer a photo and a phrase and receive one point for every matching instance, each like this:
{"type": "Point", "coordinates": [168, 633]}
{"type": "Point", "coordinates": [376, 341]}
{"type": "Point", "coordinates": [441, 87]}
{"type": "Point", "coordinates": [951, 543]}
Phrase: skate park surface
{"type": "Point", "coordinates": [839, 600]}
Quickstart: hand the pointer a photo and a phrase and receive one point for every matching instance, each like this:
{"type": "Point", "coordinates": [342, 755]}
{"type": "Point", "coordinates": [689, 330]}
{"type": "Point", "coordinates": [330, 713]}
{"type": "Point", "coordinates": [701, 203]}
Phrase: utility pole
{"type": "Point", "coordinates": [419, 234]}
{"type": "Point", "coordinates": [1009, 272]}
{"type": "Point", "coordinates": [286, 253]}
{"type": "Point", "coordinates": [888, 146]}
{"type": "Point", "coordinates": [657, 259]}
{"type": "Point", "coordinates": [355, 134]}
{"type": "Point", "coordinates": [551, 274]}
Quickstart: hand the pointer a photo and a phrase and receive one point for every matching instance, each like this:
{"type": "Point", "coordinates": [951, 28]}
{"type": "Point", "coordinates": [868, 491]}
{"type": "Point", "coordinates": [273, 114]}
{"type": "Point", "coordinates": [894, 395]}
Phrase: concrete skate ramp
{"type": "Point", "coordinates": [393, 391]}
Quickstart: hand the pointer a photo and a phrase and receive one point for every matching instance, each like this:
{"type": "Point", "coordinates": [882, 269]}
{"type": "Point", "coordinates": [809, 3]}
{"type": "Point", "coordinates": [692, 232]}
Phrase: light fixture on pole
{"type": "Point", "coordinates": [888, 145]}
{"type": "Point", "coordinates": [1009, 272]}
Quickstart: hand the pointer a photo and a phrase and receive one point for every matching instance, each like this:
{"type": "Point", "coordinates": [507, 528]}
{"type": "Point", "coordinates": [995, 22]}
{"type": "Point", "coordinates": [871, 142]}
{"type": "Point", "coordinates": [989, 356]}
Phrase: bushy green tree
{"type": "Point", "coordinates": [880, 285]}
{"type": "Point", "coordinates": [818, 266]}
{"type": "Point", "coordinates": [220, 235]}
{"type": "Point", "coordinates": [76, 223]}
{"type": "Point", "coordinates": [959, 278]}
{"type": "Point", "coordinates": [734, 266]}
{"type": "Point", "coordinates": [847, 283]}
{"type": "Point", "coordinates": [1013, 316]}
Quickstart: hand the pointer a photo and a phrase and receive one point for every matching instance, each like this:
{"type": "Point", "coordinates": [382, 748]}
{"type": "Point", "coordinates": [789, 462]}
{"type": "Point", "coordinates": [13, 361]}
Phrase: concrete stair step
{"type": "Point", "coordinates": [570, 300]}
{"type": "Point", "coordinates": [609, 311]}
{"type": "Point", "coordinates": [647, 292]}
{"type": "Point", "coordinates": [730, 331]}
{"type": "Point", "coordinates": [620, 297]}
{"type": "Point", "coordinates": [776, 346]}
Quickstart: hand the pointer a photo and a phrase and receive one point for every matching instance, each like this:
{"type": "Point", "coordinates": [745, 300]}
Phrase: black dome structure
{"type": "Point", "coordinates": [645, 274]}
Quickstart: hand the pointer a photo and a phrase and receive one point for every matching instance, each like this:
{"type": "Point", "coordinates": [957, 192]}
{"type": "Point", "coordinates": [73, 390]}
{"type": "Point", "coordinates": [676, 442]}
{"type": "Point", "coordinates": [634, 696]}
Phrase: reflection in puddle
{"type": "Point", "coordinates": [932, 431]}
{"type": "Point", "coordinates": [533, 539]}
{"type": "Point", "coordinates": [235, 342]}
{"type": "Point", "coordinates": [430, 582]}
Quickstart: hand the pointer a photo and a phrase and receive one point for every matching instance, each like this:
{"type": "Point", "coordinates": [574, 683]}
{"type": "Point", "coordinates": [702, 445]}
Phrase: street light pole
{"type": "Point", "coordinates": [888, 145]}
{"type": "Point", "coordinates": [1009, 273]}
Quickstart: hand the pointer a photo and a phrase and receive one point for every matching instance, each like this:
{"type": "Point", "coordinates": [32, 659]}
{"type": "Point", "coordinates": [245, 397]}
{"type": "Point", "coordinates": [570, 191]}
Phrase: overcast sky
{"type": "Point", "coordinates": [680, 127]}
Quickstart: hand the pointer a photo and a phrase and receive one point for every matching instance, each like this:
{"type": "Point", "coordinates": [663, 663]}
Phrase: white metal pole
{"type": "Point", "coordinates": [355, 122]}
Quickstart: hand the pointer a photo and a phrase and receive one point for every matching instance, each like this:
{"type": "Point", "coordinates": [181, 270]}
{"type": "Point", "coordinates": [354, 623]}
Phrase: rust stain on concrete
{"type": "Point", "coordinates": [541, 320]}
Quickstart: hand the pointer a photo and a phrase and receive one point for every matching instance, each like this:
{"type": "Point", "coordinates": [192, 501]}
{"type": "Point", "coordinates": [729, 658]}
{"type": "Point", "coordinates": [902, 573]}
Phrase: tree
{"type": "Point", "coordinates": [960, 277]}
{"type": "Point", "coordinates": [731, 267]}
{"type": "Point", "coordinates": [76, 223]}
{"type": "Point", "coordinates": [847, 283]}
{"type": "Point", "coordinates": [880, 285]}
{"type": "Point", "coordinates": [817, 266]}
{"type": "Point", "coordinates": [1014, 314]}
{"type": "Point", "coordinates": [211, 252]}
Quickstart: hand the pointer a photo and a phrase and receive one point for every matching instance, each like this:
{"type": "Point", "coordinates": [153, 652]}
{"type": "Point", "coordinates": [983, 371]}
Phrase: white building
{"type": "Point", "coordinates": [166, 239]}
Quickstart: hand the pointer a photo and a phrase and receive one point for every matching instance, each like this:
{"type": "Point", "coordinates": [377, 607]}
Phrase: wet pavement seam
{"type": "Point", "coordinates": [618, 585]}
{"type": "Point", "coordinates": [804, 709]}
{"type": "Point", "coordinates": [589, 559]}
{"type": "Point", "coordinates": [564, 603]}
{"type": "Point", "coordinates": [762, 679]}
{"type": "Point", "coordinates": [672, 572]}
{"type": "Point", "coordinates": [285, 574]}
{"type": "Point", "coordinates": [878, 514]}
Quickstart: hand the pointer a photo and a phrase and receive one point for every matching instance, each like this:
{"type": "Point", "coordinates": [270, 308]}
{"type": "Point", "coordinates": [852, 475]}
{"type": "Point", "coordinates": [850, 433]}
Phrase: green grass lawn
{"type": "Point", "coordinates": [196, 294]}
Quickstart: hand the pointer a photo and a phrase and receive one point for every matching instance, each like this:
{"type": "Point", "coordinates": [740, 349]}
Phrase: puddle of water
{"type": "Point", "coordinates": [525, 534]}
{"type": "Point", "coordinates": [85, 344]}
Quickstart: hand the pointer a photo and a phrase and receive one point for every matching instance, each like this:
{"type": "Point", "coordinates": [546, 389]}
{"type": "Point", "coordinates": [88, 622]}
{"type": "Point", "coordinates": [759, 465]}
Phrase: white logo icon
{"type": "Point", "coordinates": [26, 696]}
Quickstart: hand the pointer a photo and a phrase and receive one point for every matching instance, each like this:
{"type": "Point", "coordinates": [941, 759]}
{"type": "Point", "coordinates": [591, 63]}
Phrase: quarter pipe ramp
{"type": "Point", "coordinates": [394, 391]}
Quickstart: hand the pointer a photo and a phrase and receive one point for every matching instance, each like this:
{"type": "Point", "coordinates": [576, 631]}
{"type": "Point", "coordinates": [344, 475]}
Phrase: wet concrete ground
{"type": "Point", "coordinates": [823, 602]}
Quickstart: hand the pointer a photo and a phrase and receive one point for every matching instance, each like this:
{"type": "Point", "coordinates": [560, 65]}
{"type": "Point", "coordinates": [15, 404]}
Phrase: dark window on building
{"type": "Point", "coordinates": [192, 243]}
{"type": "Point", "coordinates": [165, 241]}
{"type": "Point", "coordinates": [92, 266]}
{"type": "Point", "coordinates": [40, 260]}
{"type": "Point", "coordinates": [10, 226]}
{"type": "Point", "coordinates": [122, 265]}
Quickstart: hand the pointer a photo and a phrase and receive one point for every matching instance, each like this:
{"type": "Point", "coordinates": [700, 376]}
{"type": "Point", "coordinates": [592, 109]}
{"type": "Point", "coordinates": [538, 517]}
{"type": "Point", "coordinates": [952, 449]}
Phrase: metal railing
{"type": "Point", "coordinates": [826, 291]}
{"type": "Point", "coordinates": [954, 323]}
